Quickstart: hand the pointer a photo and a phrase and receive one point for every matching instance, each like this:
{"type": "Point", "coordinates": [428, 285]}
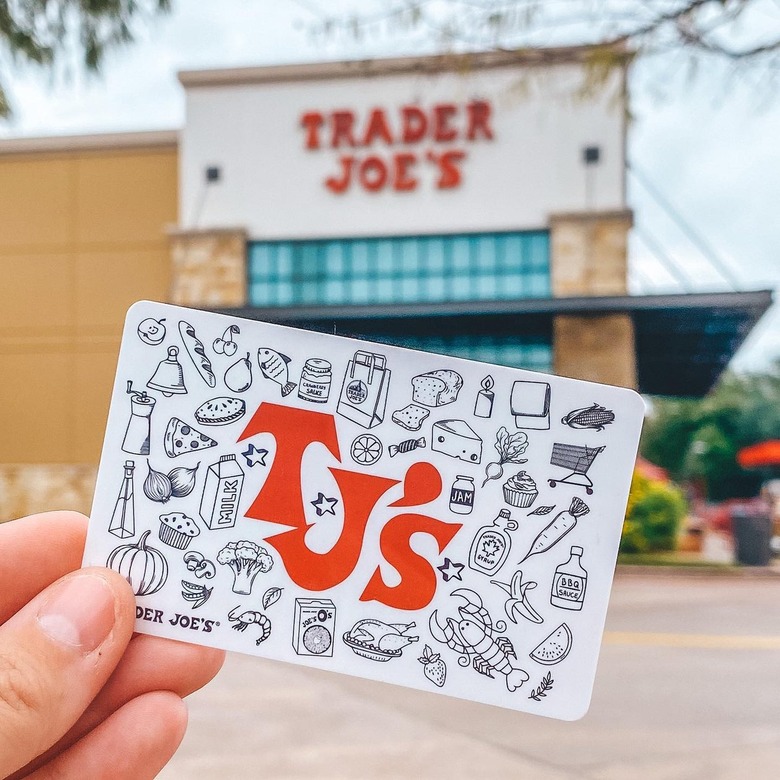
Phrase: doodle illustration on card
{"type": "Point", "coordinates": [483, 405]}
{"type": "Point", "coordinates": [456, 439]}
{"type": "Point", "coordinates": [245, 618]}
{"type": "Point", "coordinates": [137, 434]}
{"type": "Point", "coordinates": [254, 455]}
{"type": "Point", "coordinates": [324, 505]}
{"type": "Point", "coordinates": [542, 510]}
{"type": "Point", "coordinates": [151, 331]}
{"type": "Point", "coordinates": [557, 528]}
{"type": "Point", "coordinates": [577, 460]}
{"type": "Point", "coordinates": [554, 648]}
{"type": "Point", "coordinates": [122, 524]}
{"type": "Point", "coordinates": [410, 417]}
{"type": "Point", "coordinates": [196, 353]}
{"type": "Point", "coordinates": [520, 490]}
{"type": "Point", "coordinates": [314, 627]}
{"type": "Point", "coordinates": [570, 582]}
{"type": "Point", "coordinates": [222, 493]}
{"type": "Point", "coordinates": [177, 530]}
{"type": "Point", "coordinates": [366, 449]}
{"type": "Point", "coordinates": [491, 545]}
{"type": "Point", "coordinates": [530, 405]}
{"type": "Point", "coordinates": [451, 570]}
{"type": "Point", "coordinates": [462, 495]}
{"type": "Point", "coordinates": [408, 445]}
{"type": "Point", "coordinates": [363, 396]}
{"type": "Point", "coordinates": [142, 565]}
{"type": "Point", "coordinates": [182, 439]}
{"type": "Point", "coordinates": [518, 605]}
{"type": "Point", "coordinates": [473, 635]}
{"type": "Point", "coordinates": [238, 376]}
{"type": "Point", "coordinates": [220, 411]}
{"type": "Point", "coordinates": [271, 596]}
{"type": "Point", "coordinates": [177, 483]}
{"type": "Point", "coordinates": [246, 560]}
{"type": "Point", "coordinates": [316, 379]}
{"type": "Point", "coordinates": [199, 565]}
{"type": "Point", "coordinates": [275, 367]}
{"type": "Point", "coordinates": [592, 418]}
{"type": "Point", "coordinates": [378, 641]}
{"type": "Point", "coordinates": [545, 685]}
{"type": "Point", "coordinates": [436, 388]}
{"type": "Point", "coordinates": [509, 448]}
{"type": "Point", "coordinates": [226, 345]}
{"type": "Point", "coordinates": [168, 377]}
{"type": "Point", "coordinates": [195, 593]}
{"type": "Point", "coordinates": [434, 667]}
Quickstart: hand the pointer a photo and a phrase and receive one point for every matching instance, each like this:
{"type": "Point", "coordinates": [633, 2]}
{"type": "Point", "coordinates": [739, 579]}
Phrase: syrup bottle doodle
{"type": "Point", "coordinates": [569, 583]}
{"type": "Point", "coordinates": [491, 545]}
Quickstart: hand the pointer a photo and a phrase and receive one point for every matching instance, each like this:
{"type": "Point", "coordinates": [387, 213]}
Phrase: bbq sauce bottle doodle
{"type": "Point", "coordinates": [492, 543]}
{"type": "Point", "coordinates": [462, 495]}
{"type": "Point", "coordinates": [569, 583]}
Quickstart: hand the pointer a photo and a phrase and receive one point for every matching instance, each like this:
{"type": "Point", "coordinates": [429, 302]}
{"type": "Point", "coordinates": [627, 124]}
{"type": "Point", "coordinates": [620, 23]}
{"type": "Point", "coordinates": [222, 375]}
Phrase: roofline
{"type": "Point", "coordinates": [75, 143]}
{"type": "Point", "coordinates": [759, 300]}
{"type": "Point", "coordinates": [392, 66]}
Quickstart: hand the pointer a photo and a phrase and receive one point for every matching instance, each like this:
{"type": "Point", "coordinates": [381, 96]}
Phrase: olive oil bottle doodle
{"type": "Point", "coordinates": [492, 544]}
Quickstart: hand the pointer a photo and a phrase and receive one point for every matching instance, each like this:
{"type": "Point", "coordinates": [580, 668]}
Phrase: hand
{"type": "Point", "coordinates": [80, 696]}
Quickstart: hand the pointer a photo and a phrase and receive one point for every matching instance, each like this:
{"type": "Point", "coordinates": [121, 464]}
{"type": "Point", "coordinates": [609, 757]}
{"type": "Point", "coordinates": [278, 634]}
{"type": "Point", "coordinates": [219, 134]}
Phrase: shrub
{"type": "Point", "coordinates": [653, 516]}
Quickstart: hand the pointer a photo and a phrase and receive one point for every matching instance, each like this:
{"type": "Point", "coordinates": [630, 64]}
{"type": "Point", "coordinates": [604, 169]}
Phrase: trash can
{"type": "Point", "coordinates": [752, 531]}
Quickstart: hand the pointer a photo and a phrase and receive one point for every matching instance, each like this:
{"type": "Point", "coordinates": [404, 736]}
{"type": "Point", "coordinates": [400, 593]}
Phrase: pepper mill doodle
{"type": "Point", "coordinates": [136, 441]}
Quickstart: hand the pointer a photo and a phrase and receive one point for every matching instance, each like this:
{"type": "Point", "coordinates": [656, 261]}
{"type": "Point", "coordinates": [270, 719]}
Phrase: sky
{"type": "Point", "coordinates": [709, 149]}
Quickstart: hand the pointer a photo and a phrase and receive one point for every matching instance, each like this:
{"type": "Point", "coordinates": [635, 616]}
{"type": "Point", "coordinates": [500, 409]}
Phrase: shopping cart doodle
{"type": "Point", "coordinates": [576, 458]}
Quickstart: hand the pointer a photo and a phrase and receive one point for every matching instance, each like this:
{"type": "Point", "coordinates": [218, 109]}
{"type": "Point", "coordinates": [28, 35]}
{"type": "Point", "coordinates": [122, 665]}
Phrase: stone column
{"type": "Point", "coordinates": [589, 259]}
{"type": "Point", "coordinates": [209, 268]}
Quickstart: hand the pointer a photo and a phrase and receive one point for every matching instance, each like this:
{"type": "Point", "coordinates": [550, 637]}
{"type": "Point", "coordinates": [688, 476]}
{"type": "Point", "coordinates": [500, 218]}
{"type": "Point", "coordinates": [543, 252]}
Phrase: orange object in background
{"type": "Point", "coordinates": [765, 453]}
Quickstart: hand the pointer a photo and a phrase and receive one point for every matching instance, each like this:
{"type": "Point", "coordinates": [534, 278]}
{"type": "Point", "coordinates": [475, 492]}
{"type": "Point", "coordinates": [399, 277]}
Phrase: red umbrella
{"type": "Point", "coordinates": [765, 453]}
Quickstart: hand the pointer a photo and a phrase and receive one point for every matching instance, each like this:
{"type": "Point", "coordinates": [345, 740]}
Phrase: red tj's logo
{"type": "Point", "coordinates": [281, 501]}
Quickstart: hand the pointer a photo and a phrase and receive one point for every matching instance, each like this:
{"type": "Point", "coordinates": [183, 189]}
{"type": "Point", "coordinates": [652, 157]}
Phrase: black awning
{"type": "Point", "coordinates": [683, 342]}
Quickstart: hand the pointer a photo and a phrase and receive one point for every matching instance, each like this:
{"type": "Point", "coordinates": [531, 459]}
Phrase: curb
{"type": "Point", "coordinates": [738, 572]}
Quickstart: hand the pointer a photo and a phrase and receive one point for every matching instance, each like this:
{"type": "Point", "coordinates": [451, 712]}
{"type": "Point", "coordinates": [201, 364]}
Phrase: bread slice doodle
{"type": "Point", "coordinates": [197, 353]}
{"type": "Point", "coordinates": [410, 417]}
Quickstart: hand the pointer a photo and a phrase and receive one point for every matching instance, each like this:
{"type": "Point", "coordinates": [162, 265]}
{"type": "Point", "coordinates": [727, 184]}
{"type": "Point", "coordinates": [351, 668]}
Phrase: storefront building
{"type": "Point", "coordinates": [467, 205]}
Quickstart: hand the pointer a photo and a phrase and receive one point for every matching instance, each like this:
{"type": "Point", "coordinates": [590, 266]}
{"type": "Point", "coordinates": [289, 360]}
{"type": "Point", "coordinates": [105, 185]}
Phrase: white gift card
{"type": "Point", "coordinates": [438, 523]}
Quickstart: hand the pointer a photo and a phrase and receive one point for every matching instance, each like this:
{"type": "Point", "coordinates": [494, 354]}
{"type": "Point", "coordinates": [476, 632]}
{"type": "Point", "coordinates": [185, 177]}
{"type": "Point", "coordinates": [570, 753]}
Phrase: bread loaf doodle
{"type": "Point", "coordinates": [197, 353]}
{"type": "Point", "coordinates": [436, 388]}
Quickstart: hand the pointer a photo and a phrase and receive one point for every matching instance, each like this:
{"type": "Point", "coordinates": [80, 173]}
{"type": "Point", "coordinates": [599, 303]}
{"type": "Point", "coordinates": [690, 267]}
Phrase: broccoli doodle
{"type": "Point", "coordinates": [247, 560]}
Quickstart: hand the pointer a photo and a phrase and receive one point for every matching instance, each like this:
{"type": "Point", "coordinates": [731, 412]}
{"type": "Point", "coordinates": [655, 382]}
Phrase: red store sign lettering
{"type": "Point", "coordinates": [434, 137]}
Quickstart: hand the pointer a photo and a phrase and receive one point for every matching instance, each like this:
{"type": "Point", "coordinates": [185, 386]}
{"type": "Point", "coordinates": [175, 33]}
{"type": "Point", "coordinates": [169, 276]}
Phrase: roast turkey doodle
{"type": "Point", "coordinates": [379, 641]}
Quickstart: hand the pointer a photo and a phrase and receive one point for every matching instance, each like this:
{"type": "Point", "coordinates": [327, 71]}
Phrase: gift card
{"type": "Point", "coordinates": [402, 516]}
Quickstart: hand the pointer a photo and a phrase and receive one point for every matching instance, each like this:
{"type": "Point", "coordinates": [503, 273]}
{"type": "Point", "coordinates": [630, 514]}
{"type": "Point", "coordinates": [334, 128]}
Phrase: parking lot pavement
{"type": "Point", "coordinates": [688, 687]}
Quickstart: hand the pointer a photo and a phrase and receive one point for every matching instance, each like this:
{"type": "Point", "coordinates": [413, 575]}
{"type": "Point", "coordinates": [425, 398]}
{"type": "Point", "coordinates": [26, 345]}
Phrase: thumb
{"type": "Point", "coordinates": [56, 653]}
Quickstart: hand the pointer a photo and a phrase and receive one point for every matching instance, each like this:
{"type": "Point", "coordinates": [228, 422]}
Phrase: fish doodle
{"type": "Point", "coordinates": [275, 367]}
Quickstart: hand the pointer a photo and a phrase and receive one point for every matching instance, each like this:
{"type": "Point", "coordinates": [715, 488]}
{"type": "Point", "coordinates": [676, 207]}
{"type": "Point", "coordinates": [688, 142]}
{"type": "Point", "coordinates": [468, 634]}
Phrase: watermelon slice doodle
{"type": "Point", "coordinates": [555, 648]}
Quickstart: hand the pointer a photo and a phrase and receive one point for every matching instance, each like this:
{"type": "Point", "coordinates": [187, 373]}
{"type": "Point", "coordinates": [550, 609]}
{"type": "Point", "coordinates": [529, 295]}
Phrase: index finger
{"type": "Point", "coordinates": [35, 551]}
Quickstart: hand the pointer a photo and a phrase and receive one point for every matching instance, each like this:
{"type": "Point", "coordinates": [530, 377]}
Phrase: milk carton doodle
{"type": "Point", "coordinates": [365, 509]}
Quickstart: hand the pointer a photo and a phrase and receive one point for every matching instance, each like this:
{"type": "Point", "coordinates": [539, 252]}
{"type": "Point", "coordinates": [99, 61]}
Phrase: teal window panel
{"type": "Point", "coordinates": [490, 266]}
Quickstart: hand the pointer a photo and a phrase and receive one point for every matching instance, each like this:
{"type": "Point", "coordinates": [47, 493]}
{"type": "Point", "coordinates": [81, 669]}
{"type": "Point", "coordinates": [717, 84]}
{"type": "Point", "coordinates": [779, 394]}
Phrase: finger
{"type": "Point", "coordinates": [135, 743]}
{"type": "Point", "coordinates": [149, 664]}
{"type": "Point", "coordinates": [34, 552]}
{"type": "Point", "coordinates": [56, 653]}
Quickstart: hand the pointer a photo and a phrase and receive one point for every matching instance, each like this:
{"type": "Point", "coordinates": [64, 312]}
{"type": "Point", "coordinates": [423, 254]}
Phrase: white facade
{"type": "Point", "coordinates": [272, 185]}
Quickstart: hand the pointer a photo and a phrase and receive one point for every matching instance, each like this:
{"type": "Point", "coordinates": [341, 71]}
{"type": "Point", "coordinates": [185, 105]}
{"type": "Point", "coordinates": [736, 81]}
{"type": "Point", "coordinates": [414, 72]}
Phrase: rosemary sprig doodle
{"type": "Point", "coordinates": [546, 685]}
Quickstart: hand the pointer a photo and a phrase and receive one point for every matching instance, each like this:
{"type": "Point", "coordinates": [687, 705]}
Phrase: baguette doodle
{"type": "Point", "coordinates": [197, 353]}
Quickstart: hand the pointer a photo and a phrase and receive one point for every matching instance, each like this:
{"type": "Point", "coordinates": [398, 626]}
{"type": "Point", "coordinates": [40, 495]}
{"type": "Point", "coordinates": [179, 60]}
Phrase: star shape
{"type": "Point", "coordinates": [321, 502]}
{"type": "Point", "coordinates": [450, 570]}
{"type": "Point", "coordinates": [254, 456]}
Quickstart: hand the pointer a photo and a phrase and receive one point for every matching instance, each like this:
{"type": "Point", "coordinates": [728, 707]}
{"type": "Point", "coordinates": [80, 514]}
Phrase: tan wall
{"type": "Point", "coordinates": [82, 236]}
